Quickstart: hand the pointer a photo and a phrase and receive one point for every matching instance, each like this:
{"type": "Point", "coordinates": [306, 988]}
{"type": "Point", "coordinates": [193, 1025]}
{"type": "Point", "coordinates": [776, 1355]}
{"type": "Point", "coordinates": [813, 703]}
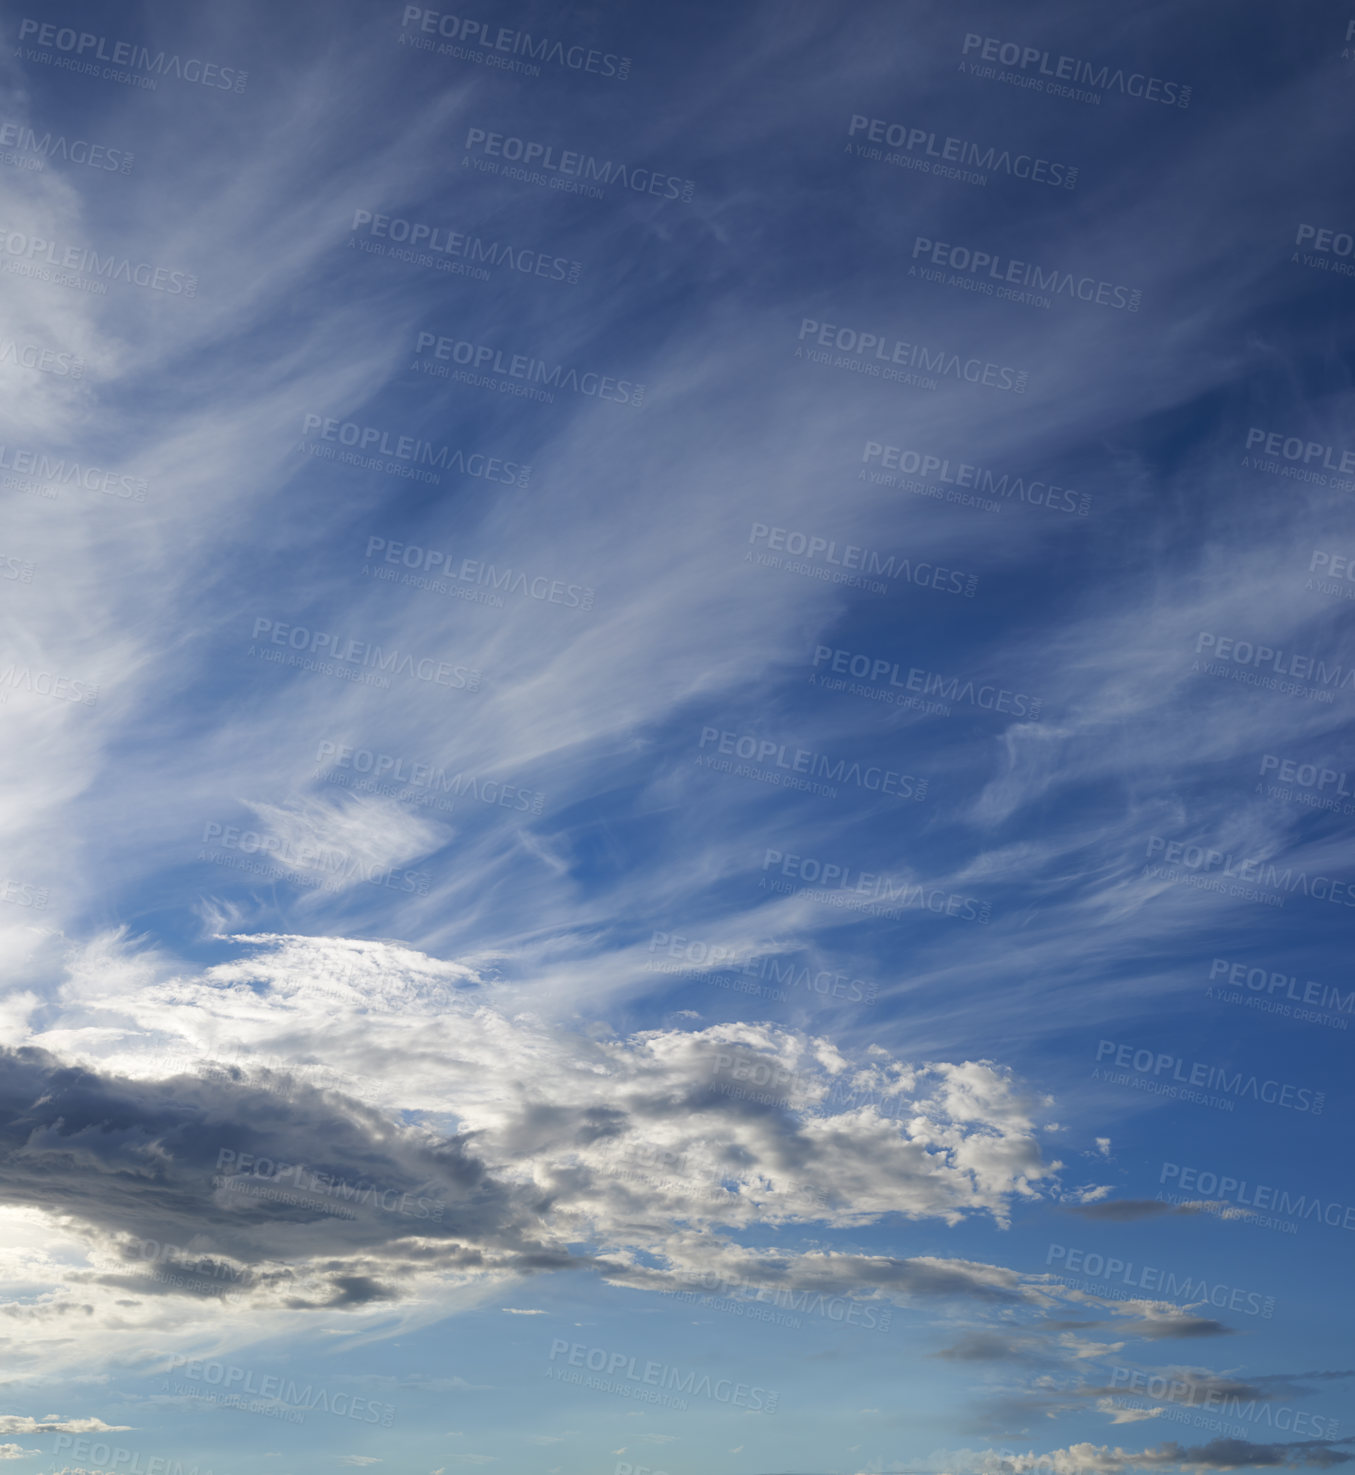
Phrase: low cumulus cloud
{"type": "Point", "coordinates": [1102, 1459]}
{"type": "Point", "coordinates": [423, 1136]}
{"type": "Point", "coordinates": [326, 1128]}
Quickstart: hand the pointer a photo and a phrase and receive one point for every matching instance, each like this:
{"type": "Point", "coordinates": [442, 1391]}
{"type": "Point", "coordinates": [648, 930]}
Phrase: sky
{"type": "Point", "coordinates": [677, 768]}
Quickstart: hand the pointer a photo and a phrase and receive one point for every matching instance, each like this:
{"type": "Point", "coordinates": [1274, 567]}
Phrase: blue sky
{"type": "Point", "coordinates": [677, 777]}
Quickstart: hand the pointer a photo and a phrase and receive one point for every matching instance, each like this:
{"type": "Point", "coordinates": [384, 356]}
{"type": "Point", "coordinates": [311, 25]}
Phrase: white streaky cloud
{"type": "Point", "coordinates": [56, 1424]}
{"type": "Point", "coordinates": [341, 840]}
{"type": "Point", "coordinates": [371, 1101]}
{"type": "Point", "coordinates": [1120, 1415]}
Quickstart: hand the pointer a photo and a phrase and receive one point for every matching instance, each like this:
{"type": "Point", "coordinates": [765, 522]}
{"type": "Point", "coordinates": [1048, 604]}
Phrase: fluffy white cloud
{"type": "Point", "coordinates": [330, 1126]}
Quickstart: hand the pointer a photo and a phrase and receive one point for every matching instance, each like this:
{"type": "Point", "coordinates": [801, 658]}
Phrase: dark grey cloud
{"type": "Point", "coordinates": [850, 1275]}
{"type": "Point", "coordinates": [986, 1347]}
{"type": "Point", "coordinates": [1235, 1454]}
{"type": "Point", "coordinates": [136, 1162]}
{"type": "Point", "coordinates": [1153, 1327]}
{"type": "Point", "coordinates": [1168, 1327]}
{"type": "Point", "coordinates": [1199, 1387]}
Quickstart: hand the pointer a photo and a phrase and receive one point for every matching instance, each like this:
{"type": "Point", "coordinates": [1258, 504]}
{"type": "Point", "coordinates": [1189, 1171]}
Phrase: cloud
{"type": "Point", "coordinates": [1217, 1454]}
{"type": "Point", "coordinates": [986, 1347]}
{"type": "Point", "coordinates": [331, 1128]}
{"type": "Point", "coordinates": [399, 1080]}
{"type": "Point", "coordinates": [1127, 1210]}
{"type": "Point", "coordinates": [1127, 1392]}
{"type": "Point", "coordinates": [1120, 1415]}
{"type": "Point", "coordinates": [339, 841]}
{"type": "Point", "coordinates": [1202, 1387]}
{"type": "Point", "coordinates": [1155, 1320]}
{"type": "Point", "coordinates": [313, 1171]}
{"type": "Point", "coordinates": [54, 1424]}
{"type": "Point", "coordinates": [1182, 1326]}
